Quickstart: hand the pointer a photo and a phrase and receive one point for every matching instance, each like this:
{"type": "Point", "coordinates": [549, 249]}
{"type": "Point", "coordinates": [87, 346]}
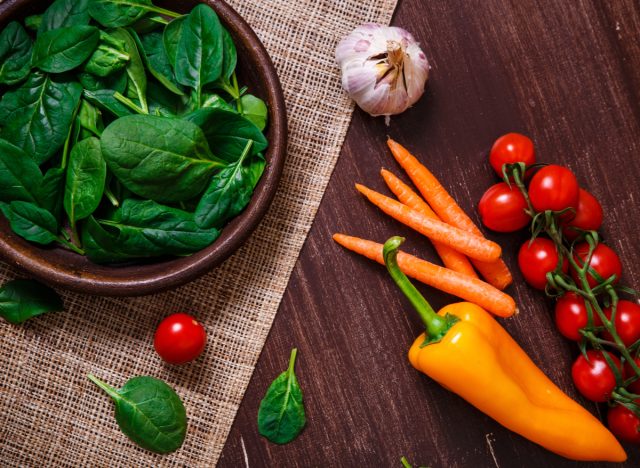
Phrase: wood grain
{"type": "Point", "coordinates": [565, 73]}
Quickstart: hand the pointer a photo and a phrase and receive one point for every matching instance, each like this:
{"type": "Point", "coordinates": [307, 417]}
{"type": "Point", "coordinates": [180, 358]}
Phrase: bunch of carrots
{"type": "Point", "coordinates": [456, 238]}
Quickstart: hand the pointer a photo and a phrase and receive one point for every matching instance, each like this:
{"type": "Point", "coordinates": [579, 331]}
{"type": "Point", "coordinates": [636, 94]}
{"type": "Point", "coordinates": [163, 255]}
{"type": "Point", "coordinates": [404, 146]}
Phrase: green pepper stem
{"type": "Point", "coordinates": [435, 324]}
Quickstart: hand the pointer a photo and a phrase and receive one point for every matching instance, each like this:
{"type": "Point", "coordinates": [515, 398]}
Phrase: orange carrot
{"type": "Point", "coordinates": [469, 244]}
{"type": "Point", "coordinates": [451, 258]}
{"type": "Point", "coordinates": [497, 273]}
{"type": "Point", "coordinates": [463, 286]}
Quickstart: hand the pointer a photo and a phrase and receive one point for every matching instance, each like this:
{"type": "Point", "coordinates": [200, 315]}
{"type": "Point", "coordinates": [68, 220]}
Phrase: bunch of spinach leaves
{"type": "Point", "coordinates": [123, 131]}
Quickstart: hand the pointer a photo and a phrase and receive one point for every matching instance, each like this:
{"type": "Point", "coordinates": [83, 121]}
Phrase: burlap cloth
{"type": "Point", "coordinates": [51, 415]}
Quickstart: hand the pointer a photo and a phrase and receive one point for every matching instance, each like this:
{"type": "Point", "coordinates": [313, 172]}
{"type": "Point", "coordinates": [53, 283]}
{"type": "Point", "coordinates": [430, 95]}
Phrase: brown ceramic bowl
{"type": "Point", "coordinates": [68, 270]}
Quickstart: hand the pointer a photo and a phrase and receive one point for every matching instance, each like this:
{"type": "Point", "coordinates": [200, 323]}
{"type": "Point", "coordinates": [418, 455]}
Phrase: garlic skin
{"type": "Point", "coordinates": [383, 68]}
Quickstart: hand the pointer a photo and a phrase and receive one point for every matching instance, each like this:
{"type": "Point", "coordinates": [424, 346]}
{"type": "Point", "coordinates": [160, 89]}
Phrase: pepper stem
{"type": "Point", "coordinates": [436, 325]}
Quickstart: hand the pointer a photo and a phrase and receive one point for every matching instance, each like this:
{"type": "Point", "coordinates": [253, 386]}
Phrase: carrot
{"type": "Point", "coordinates": [463, 286]}
{"type": "Point", "coordinates": [497, 273]}
{"type": "Point", "coordinates": [469, 244]}
{"type": "Point", "coordinates": [451, 258]}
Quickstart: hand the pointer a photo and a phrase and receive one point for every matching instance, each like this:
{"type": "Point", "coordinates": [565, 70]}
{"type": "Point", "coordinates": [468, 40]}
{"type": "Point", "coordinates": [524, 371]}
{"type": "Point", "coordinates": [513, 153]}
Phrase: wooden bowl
{"type": "Point", "coordinates": [65, 269]}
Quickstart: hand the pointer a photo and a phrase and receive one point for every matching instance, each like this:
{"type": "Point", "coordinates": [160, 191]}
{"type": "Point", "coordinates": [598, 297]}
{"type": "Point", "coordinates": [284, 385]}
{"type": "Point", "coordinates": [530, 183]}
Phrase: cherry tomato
{"type": "Point", "coordinates": [553, 188]}
{"type": "Point", "coordinates": [624, 424]}
{"type": "Point", "coordinates": [588, 215]}
{"type": "Point", "coordinates": [511, 148]}
{"type": "Point", "coordinates": [604, 261]}
{"type": "Point", "coordinates": [538, 259]}
{"type": "Point", "coordinates": [571, 316]}
{"type": "Point", "coordinates": [633, 387]}
{"type": "Point", "coordinates": [594, 378]}
{"type": "Point", "coordinates": [179, 338]}
{"type": "Point", "coordinates": [502, 208]}
{"type": "Point", "coordinates": [627, 322]}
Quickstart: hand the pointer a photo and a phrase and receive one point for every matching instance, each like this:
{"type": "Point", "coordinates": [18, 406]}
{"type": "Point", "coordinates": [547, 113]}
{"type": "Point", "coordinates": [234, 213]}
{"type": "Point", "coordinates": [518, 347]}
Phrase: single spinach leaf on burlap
{"type": "Point", "coordinates": [31, 222]}
{"type": "Point", "coordinates": [15, 54]}
{"type": "Point", "coordinates": [22, 299]}
{"type": "Point", "coordinates": [281, 415]}
{"type": "Point", "coordinates": [36, 117]}
{"type": "Point", "coordinates": [163, 159]}
{"type": "Point", "coordinates": [64, 13]}
{"type": "Point", "coordinates": [255, 110]}
{"type": "Point", "coordinates": [119, 13]}
{"type": "Point", "coordinates": [64, 49]}
{"type": "Point", "coordinates": [137, 83]}
{"type": "Point", "coordinates": [20, 176]}
{"type": "Point", "coordinates": [149, 412]}
{"type": "Point", "coordinates": [156, 60]}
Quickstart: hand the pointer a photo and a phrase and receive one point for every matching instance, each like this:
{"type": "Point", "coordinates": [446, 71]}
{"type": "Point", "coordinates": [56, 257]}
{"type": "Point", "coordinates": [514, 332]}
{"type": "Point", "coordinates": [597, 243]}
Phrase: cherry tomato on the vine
{"type": "Point", "coordinates": [627, 322]}
{"type": "Point", "coordinates": [179, 338]}
{"type": "Point", "coordinates": [588, 216]}
{"type": "Point", "coordinates": [604, 261]}
{"type": "Point", "coordinates": [571, 316]}
{"type": "Point", "coordinates": [633, 387]}
{"type": "Point", "coordinates": [594, 378]}
{"type": "Point", "coordinates": [511, 148]}
{"type": "Point", "coordinates": [502, 208]}
{"type": "Point", "coordinates": [538, 258]}
{"type": "Point", "coordinates": [553, 188]}
{"type": "Point", "coordinates": [624, 423]}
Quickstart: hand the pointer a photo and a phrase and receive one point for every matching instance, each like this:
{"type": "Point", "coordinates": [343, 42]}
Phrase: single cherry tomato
{"type": "Point", "coordinates": [624, 424]}
{"type": "Point", "coordinates": [604, 261]}
{"type": "Point", "coordinates": [627, 371]}
{"type": "Point", "coordinates": [572, 316]}
{"type": "Point", "coordinates": [537, 259]}
{"type": "Point", "coordinates": [594, 378]}
{"type": "Point", "coordinates": [588, 216]}
{"type": "Point", "coordinates": [502, 208]}
{"type": "Point", "coordinates": [627, 322]}
{"type": "Point", "coordinates": [553, 188]}
{"type": "Point", "coordinates": [511, 148]}
{"type": "Point", "coordinates": [179, 339]}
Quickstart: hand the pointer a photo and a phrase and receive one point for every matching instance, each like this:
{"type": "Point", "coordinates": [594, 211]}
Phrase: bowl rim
{"type": "Point", "coordinates": [24, 255]}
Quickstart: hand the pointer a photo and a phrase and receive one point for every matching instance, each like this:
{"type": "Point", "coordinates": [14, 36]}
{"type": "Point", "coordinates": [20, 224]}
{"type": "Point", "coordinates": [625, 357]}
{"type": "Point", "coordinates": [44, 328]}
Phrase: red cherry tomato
{"type": "Point", "coordinates": [538, 259]}
{"type": "Point", "coordinates": [627, 322]}
{"type": "Point", "coordinates": [502, 208]}
{"type": "Point", "coordinates": [179, 339]}
{"type": "Point", "coordinates": [594, 378]}
{"type": "Point", "coordinates": [588, 216]}
{"type": "Point", "coordinates": [511, 148]}
{"type": "Point", "coordinates": [553, 188]}
{"type": "Point", "coordinates": [604, 261]}
{"type": "Point", "coordinates": [571, 316]}
{"type": "Point", "coordinates": [624, 424]}
{"type": "Point", "coordinates": [628, 371]}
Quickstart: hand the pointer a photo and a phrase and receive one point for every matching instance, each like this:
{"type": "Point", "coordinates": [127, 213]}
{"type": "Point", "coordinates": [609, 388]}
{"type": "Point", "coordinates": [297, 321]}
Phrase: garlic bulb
{"type": "Point", "coordinates": [383, 68]}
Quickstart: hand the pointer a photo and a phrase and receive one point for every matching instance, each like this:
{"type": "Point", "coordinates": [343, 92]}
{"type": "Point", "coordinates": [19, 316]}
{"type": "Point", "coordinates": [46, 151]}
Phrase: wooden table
{"type": "Point", "coordinates": [566, 73]}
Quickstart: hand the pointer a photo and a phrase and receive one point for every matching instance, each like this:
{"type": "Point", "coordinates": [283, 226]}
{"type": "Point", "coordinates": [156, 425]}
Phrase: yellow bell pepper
{"type": "Point", "coordinates": [466, 351]}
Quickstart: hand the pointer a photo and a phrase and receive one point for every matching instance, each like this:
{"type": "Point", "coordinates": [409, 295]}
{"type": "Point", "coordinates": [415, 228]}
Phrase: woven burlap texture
{"type": "Point", "coordinates": [51, 415]}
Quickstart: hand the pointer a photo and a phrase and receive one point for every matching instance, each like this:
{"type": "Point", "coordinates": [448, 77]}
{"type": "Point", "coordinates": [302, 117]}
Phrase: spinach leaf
{"type": "Point", "coordinates": [51, 190]}
{"type": "Point", "coordinates": [281, 415]}
{"type": "Point", "coordinates": [104, 99]}
{"type": "Point", "coordinates": [156, 60]}
{"type": "Point", "coordinates": [229, 56]}
{"type": "Point", "coordinates": [146, 229]}
{"type": "Point", "coordinates": [216, 101]}
{"type": "Point", "coordinates": [32, 23]}
{"type": "Point", "coordinates": [255, 110]}
{"type": "Point", "coordinates": [64, 49]}
{"type": "Point", "coordinates": [30, 221]}
{"type": "Point", "coordinates": [149, 412]}
{"type": "Point", "coordinates": [90, 118]}
{"type": "Point", "coordinates": [171, 37]}
{"type": "Point", "coordinates": [15, 54]}
{"type": "Point", "coordinates": [86, 176]}
{"type": "Point", "coordinates": [118, 13]}
{"type": "Point", "coordinates": [21, 300]}
{"type": "Point", "coordinates": [114, 82]}
{"type": "Point", "coordinates": [135, 67]}
{"type": "Point", "coordinates": [108, 58]}
{"type": "Point", "coordinates": [37, 115]}
{"type": "Point", "coordinates": [20, 176]}
{"type": "Point", "coordinates": [63, 13]}
{"type": "Point", "coordinates": [150, 154]}
{"type": "Point", "coordinates": [163, 102]}
{"type": "Point", "coordinates": [99, 245]}
{"type": "Point", "coordinates": [228, 193]}
{"type": "Point", "coordinates": [200, 51]}
{"type": "Point", "coordinates": [227, 132]}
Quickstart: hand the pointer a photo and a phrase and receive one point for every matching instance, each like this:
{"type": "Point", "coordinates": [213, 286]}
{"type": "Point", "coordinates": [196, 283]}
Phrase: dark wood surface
{"type": "Point", "coordinates": [565, 73]}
